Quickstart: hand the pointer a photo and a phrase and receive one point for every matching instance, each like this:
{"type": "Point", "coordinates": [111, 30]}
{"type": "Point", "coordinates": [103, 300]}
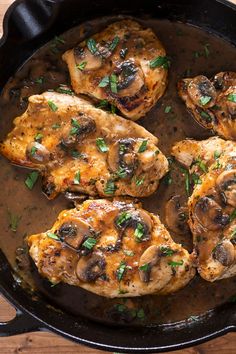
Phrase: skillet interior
{"type": "Point", "coordinates": [151, 123]}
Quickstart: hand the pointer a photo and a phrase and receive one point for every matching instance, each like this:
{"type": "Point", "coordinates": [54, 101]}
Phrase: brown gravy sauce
{"type": "Point", "coordinates": [192, 51]}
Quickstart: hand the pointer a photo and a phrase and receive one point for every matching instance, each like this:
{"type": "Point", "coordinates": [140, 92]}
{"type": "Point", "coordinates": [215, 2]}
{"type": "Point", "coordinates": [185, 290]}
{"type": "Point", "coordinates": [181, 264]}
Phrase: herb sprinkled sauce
{"type": "Point", "coordinates": [25, 211]}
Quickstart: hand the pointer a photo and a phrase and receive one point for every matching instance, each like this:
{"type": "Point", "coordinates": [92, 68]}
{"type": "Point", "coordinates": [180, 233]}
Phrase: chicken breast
{"type": "Point", "coordinates": [212, 102]}
{"type": "Point", "coordinates": [82, 149]}
{"type": "Point", "coordinates": [113, 249]}
{"type": "Point", "coordinates": [212, 206]}
{"type": "Point", "coordinates": [124, 64]}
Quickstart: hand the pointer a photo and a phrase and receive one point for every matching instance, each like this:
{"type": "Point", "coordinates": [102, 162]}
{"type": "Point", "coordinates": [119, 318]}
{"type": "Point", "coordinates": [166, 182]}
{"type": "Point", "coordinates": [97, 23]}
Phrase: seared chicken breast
{"type": "Point", "coordinates": [212, 206]}
{"type": "Point", "coordinates": [212, 102]}
{"type": "Point", "coordinates": [124, 64]}
{"type": "Point", "coordinates": [82, 149]}
{"type": "Point", "coordinates": [113, 249]}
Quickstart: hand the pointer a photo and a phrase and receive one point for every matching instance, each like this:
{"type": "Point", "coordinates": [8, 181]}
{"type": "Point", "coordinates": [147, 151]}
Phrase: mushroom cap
{"type": "Point", "coordinates": [226, 182]}
{"type": "Point", "coordinates": [224, 253]}
{"type": "Point", "coordinates": [91, 267]}
{"type": "Point", "coordinates": [83, 55]}
{"type": "Point", "coordinates": [176, 215]}
{"type": "Point", "coordinates": [73, 232]}
{"type": "Point", "coordinates": [210, 214]}
{"type": "Point", "coordinates": [201, 87]}
{"type": "Point", "coordinates": [37, 153]}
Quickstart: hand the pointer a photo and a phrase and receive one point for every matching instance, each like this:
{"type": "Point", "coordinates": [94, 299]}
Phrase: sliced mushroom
{"type": "Point", "coordinates": [85, 125]}
{"type": "Point", "coordinates": [37, 153]}
{"type": "Point", "coordinates": [139, 220]}
{"type": "Point", "coordinates": [202, 92]}
{"type": "Point", "coordinates": [210, 214]}
{"type": "Point", "coordinates": [89, 268]}
{"type": "Point", "coordinates": [154, 267]}
{"type": "Point", "coordinates": [224, 253]}
{"type": "Point", "coordinates": [90, 61]}
{"type": "Point", "coordinates": [226, 183]}
{"type": "Point", "coordinates": [176, 215]}
{"type": "Point", "coordinates": [130, 78]}
{"type": "Point", "coordinates": [74, 232]}
{"type": "Point", "coordinates": [122, 158]}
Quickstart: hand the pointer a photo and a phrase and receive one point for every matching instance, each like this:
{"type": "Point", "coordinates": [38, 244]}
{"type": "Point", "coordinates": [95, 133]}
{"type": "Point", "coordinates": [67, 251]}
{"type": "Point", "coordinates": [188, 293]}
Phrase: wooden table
{"type": "Point", "coordinates": [48, 343]}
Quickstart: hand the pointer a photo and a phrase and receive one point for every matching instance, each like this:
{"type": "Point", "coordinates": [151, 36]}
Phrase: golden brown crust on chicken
{"type": "Point", "coordinates": [212, 206]}
{"type": "Point", "coordinates": [114, 249]}
{"type": "Point", "coordinates": [79, 148]}
{"type": "Point", "coordinates": [212, 102]}
{"type": "Point", "coordinates": [116, 65]}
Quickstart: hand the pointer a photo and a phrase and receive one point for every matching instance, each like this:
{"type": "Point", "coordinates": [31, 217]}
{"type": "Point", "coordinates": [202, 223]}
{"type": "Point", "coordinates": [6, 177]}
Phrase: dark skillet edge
{"type": "Point", "coordinates": [27, 320]}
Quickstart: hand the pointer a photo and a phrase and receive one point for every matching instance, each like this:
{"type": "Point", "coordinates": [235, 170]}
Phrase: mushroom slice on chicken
{"type": "Point", "coordinates": [212, 206]}
{"type": "Point", "coordinates": [212, 101]}
{"type": "Point", "coordinates": [82, 149]}
{"type": "Point", "coordinates": [113, 249]}
{"type": "Point", "coordinates": [124, 64]}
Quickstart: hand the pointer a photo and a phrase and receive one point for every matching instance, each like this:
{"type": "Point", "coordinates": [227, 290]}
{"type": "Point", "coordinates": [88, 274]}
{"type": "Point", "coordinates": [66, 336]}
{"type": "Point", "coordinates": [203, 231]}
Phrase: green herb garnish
{"type": "Point", "coordinates": [139, 232]}
{"type": "Point", "coordinates": [121, 270]}
{"type": "Point", "coordinates": [114, 43]}
{"type": "Point", "coordinates": [56, 126]}
{"type": "Point", "coordinates": [139, 181]}
{"type": "Point", "coordinates": [101, 145]}
{"type": "Point", "coordinates": [89, 243]}
{"type": "Point", "coordinates": [143, 146]}
{"type": "Point", "coordinates": [166, 251]}
{"type": "Point", "coordinates": [140, 314]}
{"type": "Point", "coordinates": [33, 150]}
{"type": "Point", "coordinates": [145, 267]}
{"type": "Point", "coordinates": [39, 80]}
{"type": "Point", "coordinates": [232, 215]}
{"type": "Point", "coordinates": [168, 109]}
{"type": "Point", "coordinates": [128, 253]}
{"type": "Point", "coordinates": [52, 106]}
{"type": "Point", "coordinates": [199, 162]}
{"type": "Point", "coordinates": [31, 179]}
{"type": "Point", "coordinates": [92, 45]}
{"type": "Point", "coordinates": [232, 97]}
{"type": "Point", "coordinates": [113, 83]}
{"type": "Point", "coordinates": [176, 264]}
{"type": "Point", "coordinates": [82, 65]}
{"type": "Point", "coordinates": [110, 187]}
{"type": "Point", "coordinates": [14, 221]}
{"type": "Point", "coordinates": [206, 116]}
{"type": "Point", "coordinates": [217, 154]}
{"type": "Point", "coordinates": [52, 235]}
{"type": "Point", "coordinates": [121, 173]}
{"type": "Point", "coordinates": [187, 180]}
{"type": "Point", "coordinates": [204, 100]}
{"type": "Point", "coordinates": [122, 218]}
{"type": "Point", "coordinates": [160, 61]}
{"type": "Point", "coordinates": [38, 137]}
{"type": "Point", "coordinates": [77, 178]}
{"type": "Point", "coordinates": [104, 82]}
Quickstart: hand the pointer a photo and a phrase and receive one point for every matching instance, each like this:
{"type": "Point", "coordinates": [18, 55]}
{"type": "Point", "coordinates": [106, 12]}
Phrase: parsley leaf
{"type": "Point", "coordinates": [52, 235]}
{"type": "Point", "coordinates": [121, 270]}
{"type": "Point", "coordinates": [82, 65]}
{"type": "Point", "coordinates": [92, 45]}
{"type": "Point", "coordinates": [101, 145]}
{"type": "Point", "coordinates": [89, 243]}
{"type": "Point", "coordinates": [77, 178]}
{"type": "Point", "coordinates": [31, 179]}
{"type": "Point", "coordinates": [52, 106]}
{"type": "Point", "coordinates": [143, 146]}
{"type": "Point", "coordinates": [160, 61]}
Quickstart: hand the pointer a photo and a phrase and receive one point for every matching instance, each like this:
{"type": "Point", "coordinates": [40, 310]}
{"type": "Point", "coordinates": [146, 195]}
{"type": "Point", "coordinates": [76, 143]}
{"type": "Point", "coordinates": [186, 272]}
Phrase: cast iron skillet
{"type": "Point", "coordinates": [27, 25]}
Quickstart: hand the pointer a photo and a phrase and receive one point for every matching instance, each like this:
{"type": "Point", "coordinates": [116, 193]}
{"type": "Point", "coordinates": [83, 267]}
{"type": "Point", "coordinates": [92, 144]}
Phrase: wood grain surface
{"type": "Point", "coordinates": [48, 343]}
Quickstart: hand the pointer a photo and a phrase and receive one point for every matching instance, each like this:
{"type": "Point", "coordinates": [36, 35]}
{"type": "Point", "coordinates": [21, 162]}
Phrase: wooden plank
{"type": "Point", "coordinates": [48, 343]}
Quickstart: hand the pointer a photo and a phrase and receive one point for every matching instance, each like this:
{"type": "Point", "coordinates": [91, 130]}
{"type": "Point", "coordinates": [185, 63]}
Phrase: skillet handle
{"type": "Point", "coordinates": [22, 323]}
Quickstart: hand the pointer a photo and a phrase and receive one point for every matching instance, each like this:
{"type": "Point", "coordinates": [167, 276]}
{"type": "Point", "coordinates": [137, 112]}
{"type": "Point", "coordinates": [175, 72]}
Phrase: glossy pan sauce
{"type": "Point", "coordinates": [192, 52]}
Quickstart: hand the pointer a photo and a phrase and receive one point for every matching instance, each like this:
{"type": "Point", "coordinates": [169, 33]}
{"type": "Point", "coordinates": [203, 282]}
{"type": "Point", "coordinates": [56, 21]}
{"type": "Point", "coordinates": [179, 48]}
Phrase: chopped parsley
{"type": "Point", "coordinates": [140, 314]}
{"type": "Point", "coordinates": [52, 106]}
{"type": "Point", "coordinates": [14, 221]}
{"type": "Point", "coordinates": [139, 181]}
{"type": "Point", "coordinates": [201, 165]}
{"type": "Point", "coordinates": [33, 150]}
{"type": "Point", "coordinates": [110, 187]}
{"type": "Point", "coordinates": [206, 116]}
{"type": "Point", "coordinates": [122, 218]}
{"type": "Point", "coordinates": [31, 179]}
{"type": "Point", "coordinates": [77, 178]}
{"type": "Point", "coordinates": [206, 50]}
{"type": "Point", "coordinates": [56, 126]}
{"type": "Point", "coordinates": [65, 90]}
{"type": "Point", "coordinates": [196, 179]}
{"type": "Point", "coordinates": [217, 154]}
{"type": "Point", "coordinates": [233, 234]}
{"type": "Point", "coordinates": [232, 97]}
{"type": "Point", "coordinates": [143, 146]}
{"type": "Point", "coordinates": [160, 61]}
{"type": "Point", "coordinates": [92, 45]}
{"type": "Point", "coordinates": [104, 82]}
{"type": "Point", "coordinates": [52, 235]}
{"type": "Point", "coordinates": [128, 253]}
{"type": "Point", "coordinates": [38, 137]}
{"type": "Point", "coordinates": [101, 145]}
{"type": "Point", "coordinates": [176, 264]}
{"type": "Point", "coordinates": [39, 80]}
{"type": "Point", "coordinates": [166, 251]}
{"type": "Point", "coordinates": [204, 100]}
{"type": "Point", "coordinates": [187, 180]}
{"type": "Point", "coordinates": [82, 65]}
{"type": "Point", "coordinates": [75, 154]}
{"type": "Point", "coordinates": [75, 126]}
{"type": "Point", "coordinates": [121, 270]}
{"type": "Point", "coordinates": [145, 267]}
{"type": "Point", "coordinates": [113, 83]}
{"type": "Point", "coordinates": [139, 232]}
{"type": "Point", "coordinates": [121, 173]}
{"type": "Point", "coordinates": [89, 243]}
{"type": "Point", "coordinates": [168, 109]}
{"type": "Point", "coordinates": [114, 43]}
{"type": "Point", "coordinates": [59, 40]}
